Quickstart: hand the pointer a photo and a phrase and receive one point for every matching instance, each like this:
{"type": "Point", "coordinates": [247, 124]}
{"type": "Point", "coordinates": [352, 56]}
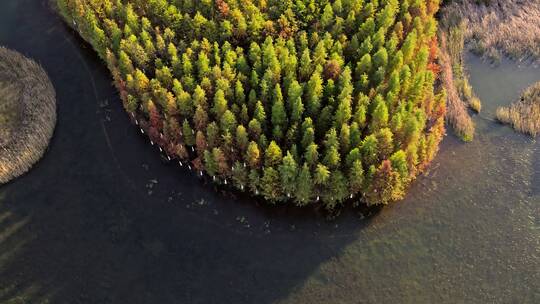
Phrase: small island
{"type": "Point", "coordinates": [524, 114]}
{"type": "Point", "coordinates": [332, 101]}
{"type": "Point", "coordinates": [27, 114]}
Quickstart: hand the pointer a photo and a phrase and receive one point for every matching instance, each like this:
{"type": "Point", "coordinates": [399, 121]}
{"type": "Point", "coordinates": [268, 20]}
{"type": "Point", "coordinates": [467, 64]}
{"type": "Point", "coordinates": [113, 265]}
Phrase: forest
{"type": "Point", "coordinates": [299, 101]}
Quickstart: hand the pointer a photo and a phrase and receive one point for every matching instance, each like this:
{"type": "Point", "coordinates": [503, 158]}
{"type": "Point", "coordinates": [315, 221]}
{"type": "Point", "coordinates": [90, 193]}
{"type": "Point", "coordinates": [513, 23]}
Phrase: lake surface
{"type": "Point", "coordinates": [103, 218]}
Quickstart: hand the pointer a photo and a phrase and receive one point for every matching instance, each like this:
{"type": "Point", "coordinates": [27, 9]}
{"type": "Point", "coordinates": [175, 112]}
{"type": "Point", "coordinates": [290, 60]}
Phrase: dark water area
{"type": "Point", "coordinates": [103, 218]}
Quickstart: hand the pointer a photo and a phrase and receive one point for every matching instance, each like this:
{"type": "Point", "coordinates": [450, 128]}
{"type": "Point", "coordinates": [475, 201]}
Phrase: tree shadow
{"type": "Point", "coordinates": [101, 219]}
{"type": "Point", "coordinates": [99, 245]}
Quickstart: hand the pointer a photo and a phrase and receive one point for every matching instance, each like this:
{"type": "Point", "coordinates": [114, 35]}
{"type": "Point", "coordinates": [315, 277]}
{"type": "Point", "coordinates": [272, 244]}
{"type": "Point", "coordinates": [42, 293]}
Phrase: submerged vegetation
{"type": "Point", "coordinates": [27, 113]}
{"type": "Point", "coordinates": [294, 100]}
{"type": "Point", "coordinates": [524, 114]}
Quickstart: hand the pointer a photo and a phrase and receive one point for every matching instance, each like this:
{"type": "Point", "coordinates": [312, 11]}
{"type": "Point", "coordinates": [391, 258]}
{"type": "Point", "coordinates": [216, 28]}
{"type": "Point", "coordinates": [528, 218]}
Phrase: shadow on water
{"type": "Point", "coordinates": [102, 219]}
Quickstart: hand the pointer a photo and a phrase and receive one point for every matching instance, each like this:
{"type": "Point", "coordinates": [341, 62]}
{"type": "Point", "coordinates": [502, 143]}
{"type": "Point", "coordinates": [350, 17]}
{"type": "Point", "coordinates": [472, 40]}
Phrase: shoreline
{"type": "Point", "coordinates": [37, 105]}
{"type": "Point", "coordinates": [492, 30]}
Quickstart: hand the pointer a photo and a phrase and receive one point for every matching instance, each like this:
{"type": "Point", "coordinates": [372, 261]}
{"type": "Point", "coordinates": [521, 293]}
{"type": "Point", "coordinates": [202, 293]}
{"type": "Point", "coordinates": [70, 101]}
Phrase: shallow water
{"type": "Point", "coordinates": [104, 219]}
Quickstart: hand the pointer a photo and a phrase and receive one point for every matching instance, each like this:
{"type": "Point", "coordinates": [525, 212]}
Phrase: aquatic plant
{"type": "Point", "coordinates": [27, 113]}
{"type": "Point", "coordinates": [523, 114]}
{"type": "Point", "coordinates": [294, 100]}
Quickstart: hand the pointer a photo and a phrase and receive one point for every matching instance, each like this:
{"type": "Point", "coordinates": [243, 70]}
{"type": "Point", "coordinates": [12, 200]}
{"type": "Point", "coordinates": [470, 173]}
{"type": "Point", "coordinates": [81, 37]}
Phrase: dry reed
{"type": "Point", "coordinates": [502, 27]}
{"type": "Point", "coordinates": [9, 109]}
{"type": "Point", "coordinates": [524, 114]}
{"type": "Point", "coordinates": [456, 114]}
{"type": "Point", "coordinates": [27, 134]}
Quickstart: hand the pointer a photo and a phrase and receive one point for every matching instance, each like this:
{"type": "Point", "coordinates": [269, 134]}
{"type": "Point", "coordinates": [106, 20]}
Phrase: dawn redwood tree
{"type": "Point", "coordinates": [289, 172]}
{"type": "Point", "coordinates": [304, 186]}
{"type": "Point", "coordinates": [273, 155]}
{"type": "Point", "coordinates": [253, 155]}
{"type": "Point", "coordinates": [279, 116]}
{"type": "Point", "coordinates": [386, 184]}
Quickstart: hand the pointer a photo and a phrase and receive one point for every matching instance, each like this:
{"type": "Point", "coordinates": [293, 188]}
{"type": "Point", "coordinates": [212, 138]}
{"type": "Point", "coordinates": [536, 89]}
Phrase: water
{"type": "Point", "coordinates": [89, 224]}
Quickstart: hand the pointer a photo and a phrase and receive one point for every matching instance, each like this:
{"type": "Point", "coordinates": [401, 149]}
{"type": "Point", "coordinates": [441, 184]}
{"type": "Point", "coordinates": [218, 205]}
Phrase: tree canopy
{"type": "Point", "coordinates": [293, 100]}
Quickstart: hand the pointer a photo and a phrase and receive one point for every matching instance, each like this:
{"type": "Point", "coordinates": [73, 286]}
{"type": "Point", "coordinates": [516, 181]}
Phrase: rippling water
{"type": "Point", "coordinates": [104, 219]}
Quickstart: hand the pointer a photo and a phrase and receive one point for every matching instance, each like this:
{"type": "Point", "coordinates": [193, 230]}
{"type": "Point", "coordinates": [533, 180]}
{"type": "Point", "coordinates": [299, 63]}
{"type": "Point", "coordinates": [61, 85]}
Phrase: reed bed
{"type": "Point", "coordinates": [28, 113]}
{"type": "Point", "coordinates": [492, 29]}
{"type": "Point", "coordinates": [9, 109]}
{"type": "Point", "coordinates": [500, 27]}
{"type": "Point", "coordinates": [457, 115]}
{"type": "Point", "coordinates": [524, 114]}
